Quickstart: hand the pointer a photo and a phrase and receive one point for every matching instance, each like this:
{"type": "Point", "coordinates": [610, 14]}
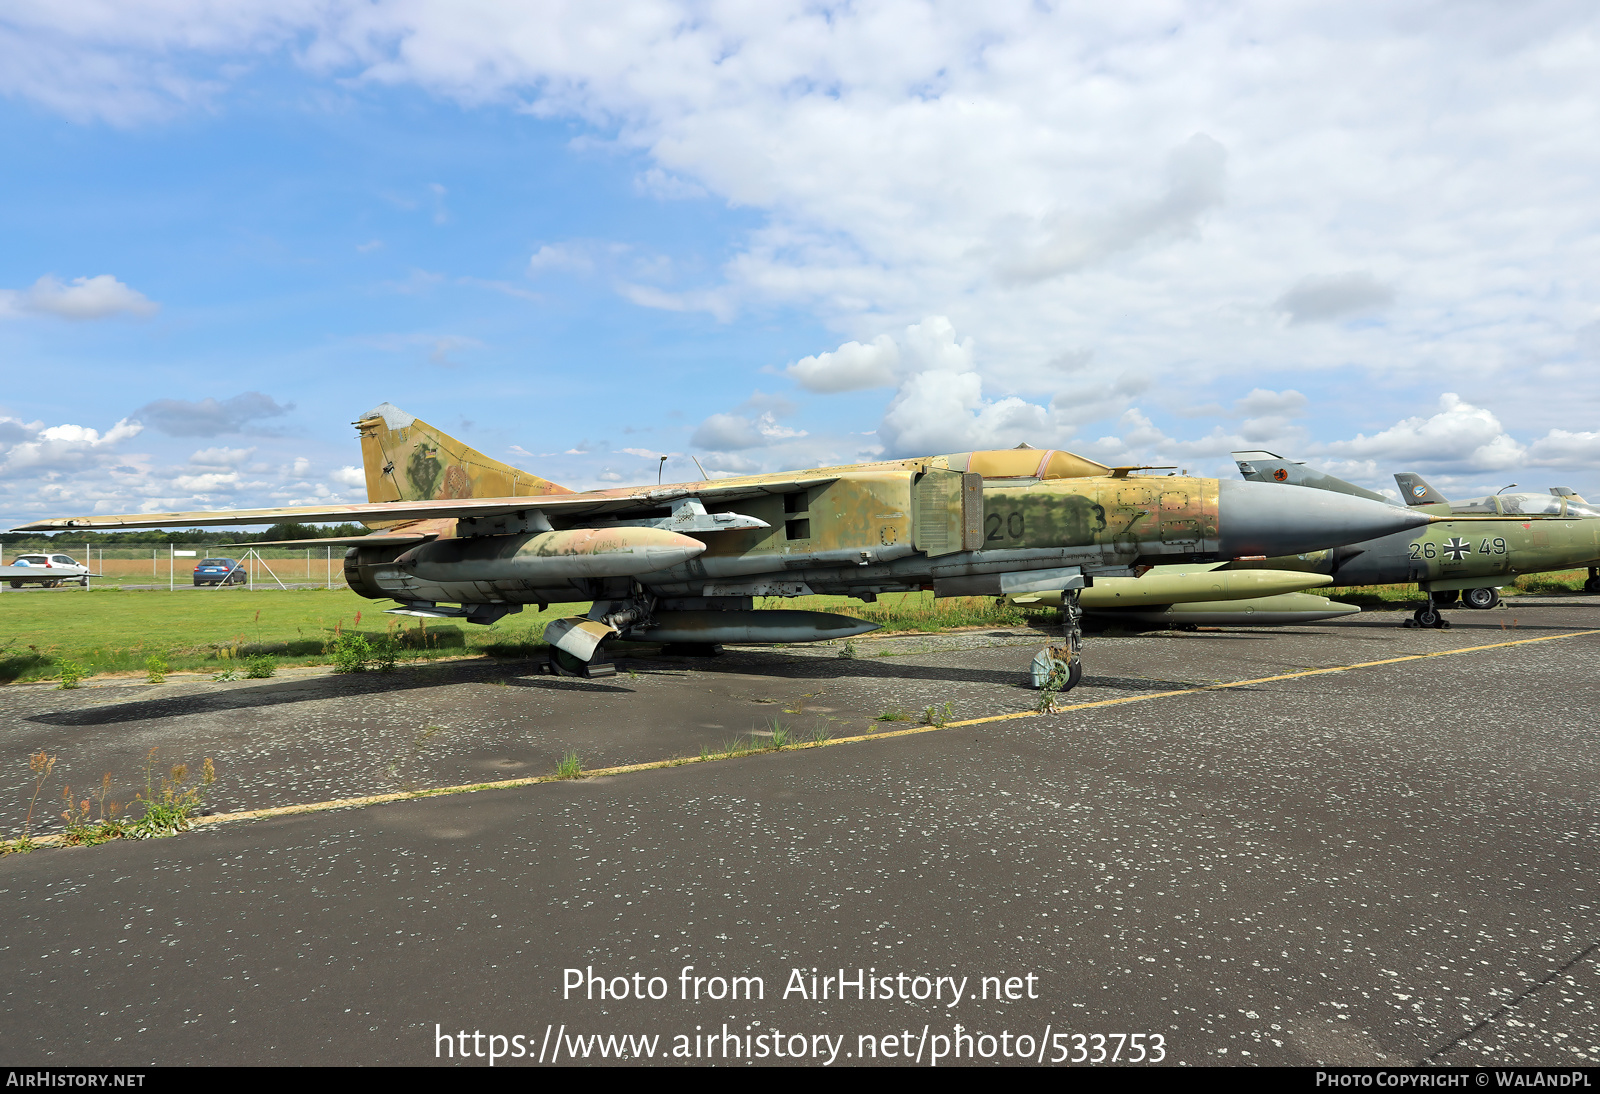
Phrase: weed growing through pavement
{"type": "Point", "coordinates": [169, 806]}
{"type": "Point", "coordinates": [155, 669]}
{"type": "Point", "coordinates": [893, 714]}
{"type": "Point", "coordinates": [569, 766]}
{"type": "Point", "coordinates": [782, 735]}
{"type": "Point", "coordinates": [939, 715]}
{"type": "Point", "coordinates": [82, 831]}
{"type": "Point", "coordinates": [227, 674]}
{"type": "Point", "coordinates": [1050, 694]}
{"type": "Point", "coordinates": [848, 651]}
{"type": "Point", "coordinates": [41, 765]}
{"type": "Point", "coordinates": [72, 674]}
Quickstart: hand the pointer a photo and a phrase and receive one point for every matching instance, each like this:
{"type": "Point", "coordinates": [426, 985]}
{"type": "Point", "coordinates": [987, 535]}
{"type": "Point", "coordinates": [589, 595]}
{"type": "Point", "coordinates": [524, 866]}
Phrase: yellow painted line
{"type": "Point", "coordinates": [627, 769]}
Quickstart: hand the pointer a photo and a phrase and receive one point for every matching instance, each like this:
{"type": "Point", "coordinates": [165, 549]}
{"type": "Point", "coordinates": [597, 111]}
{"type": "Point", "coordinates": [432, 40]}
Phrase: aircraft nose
{"type": "Point", "coordinates": [1263, 518]}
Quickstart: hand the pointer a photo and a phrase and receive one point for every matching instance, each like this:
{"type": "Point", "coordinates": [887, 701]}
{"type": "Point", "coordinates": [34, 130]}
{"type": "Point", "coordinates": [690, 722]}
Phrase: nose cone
{"type": "Point", "coordinates": [1260, 518]}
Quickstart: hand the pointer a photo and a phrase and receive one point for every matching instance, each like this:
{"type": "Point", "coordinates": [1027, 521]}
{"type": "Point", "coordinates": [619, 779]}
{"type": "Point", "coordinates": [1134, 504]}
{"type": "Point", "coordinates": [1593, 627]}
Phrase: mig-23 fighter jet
{"type": "Point", "coordinates": [461, 535]}
{"type": "Point", "coordinates": [1493, 540]}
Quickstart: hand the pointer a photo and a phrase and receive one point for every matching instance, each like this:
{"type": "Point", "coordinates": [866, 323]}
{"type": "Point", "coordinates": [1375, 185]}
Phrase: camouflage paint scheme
{"type": "Point", "coordinates": [953, 524]}
{"type": "Point", "coordinates": [452, 531]}
{"type": "Point", "coordinates": [1556, 533]}
{"type": "Point", "coordinates": [408, 460]}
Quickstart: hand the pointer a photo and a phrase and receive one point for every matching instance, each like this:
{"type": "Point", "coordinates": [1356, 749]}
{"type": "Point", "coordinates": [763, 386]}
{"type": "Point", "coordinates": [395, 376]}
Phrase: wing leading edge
{"type": "Point", "coordinates": [562, 507]}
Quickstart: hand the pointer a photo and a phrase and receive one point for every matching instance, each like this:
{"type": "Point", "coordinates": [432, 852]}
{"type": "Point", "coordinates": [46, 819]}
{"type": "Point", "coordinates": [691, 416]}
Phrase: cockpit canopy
{"type": "Point", "coordinates": [1526, 505]}
{"type": "Point", "coordinates": [1024, 463]}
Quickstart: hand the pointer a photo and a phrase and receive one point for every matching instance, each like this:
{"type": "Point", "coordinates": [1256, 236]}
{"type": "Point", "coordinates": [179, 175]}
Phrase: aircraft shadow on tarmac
{"type": "Point", "coordinates": [819, 668]}
{"type": "Point", "coordinates": [516, 675]}
{"type": "Point", "coordinates": [314, 689]}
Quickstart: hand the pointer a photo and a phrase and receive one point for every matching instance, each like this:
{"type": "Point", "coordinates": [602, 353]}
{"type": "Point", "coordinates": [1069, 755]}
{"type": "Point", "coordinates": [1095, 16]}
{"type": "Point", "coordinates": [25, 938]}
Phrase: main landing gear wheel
{"type": "Point", "coordinates": [563, 663]}
{"type": "Point", "coordinates": [1593, 584]}
{"type": "Point", "coordinates": [1482, 599]}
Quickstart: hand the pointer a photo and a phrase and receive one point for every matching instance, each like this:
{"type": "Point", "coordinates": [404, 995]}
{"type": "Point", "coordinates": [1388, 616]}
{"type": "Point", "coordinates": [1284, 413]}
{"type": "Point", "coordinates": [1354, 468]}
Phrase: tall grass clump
{"type": "Point", "coordinates": [169, 805]}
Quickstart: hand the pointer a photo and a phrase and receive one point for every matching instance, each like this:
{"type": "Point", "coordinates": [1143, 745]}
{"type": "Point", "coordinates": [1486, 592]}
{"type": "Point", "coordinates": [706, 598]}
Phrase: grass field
{"type": "Point", "coordinates": [113, 630]}
{"type": "Point", "coordinates": [108, 630]}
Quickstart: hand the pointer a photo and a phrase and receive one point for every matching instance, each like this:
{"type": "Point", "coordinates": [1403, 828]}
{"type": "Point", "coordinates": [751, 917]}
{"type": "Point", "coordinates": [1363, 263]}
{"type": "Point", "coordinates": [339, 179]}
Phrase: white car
{"type": "Point", "coordinates": [52, 570]}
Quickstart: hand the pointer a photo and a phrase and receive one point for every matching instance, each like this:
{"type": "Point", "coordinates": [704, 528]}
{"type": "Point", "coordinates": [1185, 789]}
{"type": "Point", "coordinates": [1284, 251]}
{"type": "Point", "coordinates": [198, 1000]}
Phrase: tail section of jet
{"type": "Point", "coordinates": [406, 459]}
{"type": "Point", "coordinates": [1416, 491]}
{"type": "Point", "coordinates": [1270, 467]}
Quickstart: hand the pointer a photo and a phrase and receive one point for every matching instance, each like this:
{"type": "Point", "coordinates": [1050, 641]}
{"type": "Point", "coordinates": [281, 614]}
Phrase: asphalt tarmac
{"type": "Point", "coordinates": [1389, 865]}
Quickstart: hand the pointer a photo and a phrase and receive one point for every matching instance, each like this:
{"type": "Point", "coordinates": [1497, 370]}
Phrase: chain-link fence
{"type": "Point", "coordinates": [173, 566]}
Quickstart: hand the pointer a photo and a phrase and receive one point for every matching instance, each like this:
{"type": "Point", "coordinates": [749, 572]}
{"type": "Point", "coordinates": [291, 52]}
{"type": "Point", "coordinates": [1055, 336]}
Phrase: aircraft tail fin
{"type": "Point", "coordinates": [1271, 467]}
{"type": "Point", "coordinates": [1416, 491]}
{"type": "Point", "coordinates": [406, 459]}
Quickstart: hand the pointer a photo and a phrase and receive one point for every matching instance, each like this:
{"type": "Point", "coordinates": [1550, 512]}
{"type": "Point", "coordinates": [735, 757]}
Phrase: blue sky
{"type": "Point", "coordinates": [774, 236]}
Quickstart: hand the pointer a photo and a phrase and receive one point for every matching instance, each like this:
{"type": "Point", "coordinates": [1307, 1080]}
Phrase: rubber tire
{"type": "Point", "coordinates": [1592, 585]}
{"type": "Point", "coordinates": [1428, 617]}
{"type": "Point", "coordinates": [83, 582]}
{"type": "Point", "coordinates": [16, 584]}
{"type": "Point", "coordinates": [1074, 675]}
{"type": "Point", "coordinates": [1481, 599]}
{"type": "Point", "coordinates": [563, 663]}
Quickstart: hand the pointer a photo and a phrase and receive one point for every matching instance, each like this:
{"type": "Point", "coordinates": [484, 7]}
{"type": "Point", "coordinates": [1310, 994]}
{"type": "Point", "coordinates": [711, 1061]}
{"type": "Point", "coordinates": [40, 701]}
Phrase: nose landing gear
{"type": "Point", "coordinates": [1060, 668]}
{"type": "Point", "coordinates": [1429, 616]}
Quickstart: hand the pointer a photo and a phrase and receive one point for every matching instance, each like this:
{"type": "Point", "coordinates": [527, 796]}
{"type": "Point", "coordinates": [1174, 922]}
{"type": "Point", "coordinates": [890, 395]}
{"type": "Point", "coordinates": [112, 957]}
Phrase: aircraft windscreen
{"type": "Point", "coordinates": [1530, 505]}
{"type": "Point", "coordinates": [1474, 505]}
{"type": "Point", "coordinates": [1576, 510]}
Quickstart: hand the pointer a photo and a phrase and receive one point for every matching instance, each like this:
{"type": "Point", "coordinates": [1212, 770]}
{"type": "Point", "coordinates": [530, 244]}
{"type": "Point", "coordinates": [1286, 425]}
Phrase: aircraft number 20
{"type": "Point", "coordinates": [997, 528]}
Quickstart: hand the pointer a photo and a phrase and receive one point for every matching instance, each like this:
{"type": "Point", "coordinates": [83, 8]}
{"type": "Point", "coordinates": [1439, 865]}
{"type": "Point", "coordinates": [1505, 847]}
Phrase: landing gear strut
{"type": "Point", "coordinates": [1061, 667]}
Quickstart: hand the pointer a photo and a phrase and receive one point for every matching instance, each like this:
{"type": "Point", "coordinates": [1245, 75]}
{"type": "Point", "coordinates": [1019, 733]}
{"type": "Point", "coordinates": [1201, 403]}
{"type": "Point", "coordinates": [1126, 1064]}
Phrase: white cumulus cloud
{"type": "Point", "coordinates": [84, 298]}
{"type": "Point", "coordinates": [1460, 433]}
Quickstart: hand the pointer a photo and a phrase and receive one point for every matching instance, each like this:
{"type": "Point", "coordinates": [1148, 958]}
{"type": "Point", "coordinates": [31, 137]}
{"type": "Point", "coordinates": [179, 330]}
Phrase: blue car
{"type": "Point", "coordinates": [219, 571]}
